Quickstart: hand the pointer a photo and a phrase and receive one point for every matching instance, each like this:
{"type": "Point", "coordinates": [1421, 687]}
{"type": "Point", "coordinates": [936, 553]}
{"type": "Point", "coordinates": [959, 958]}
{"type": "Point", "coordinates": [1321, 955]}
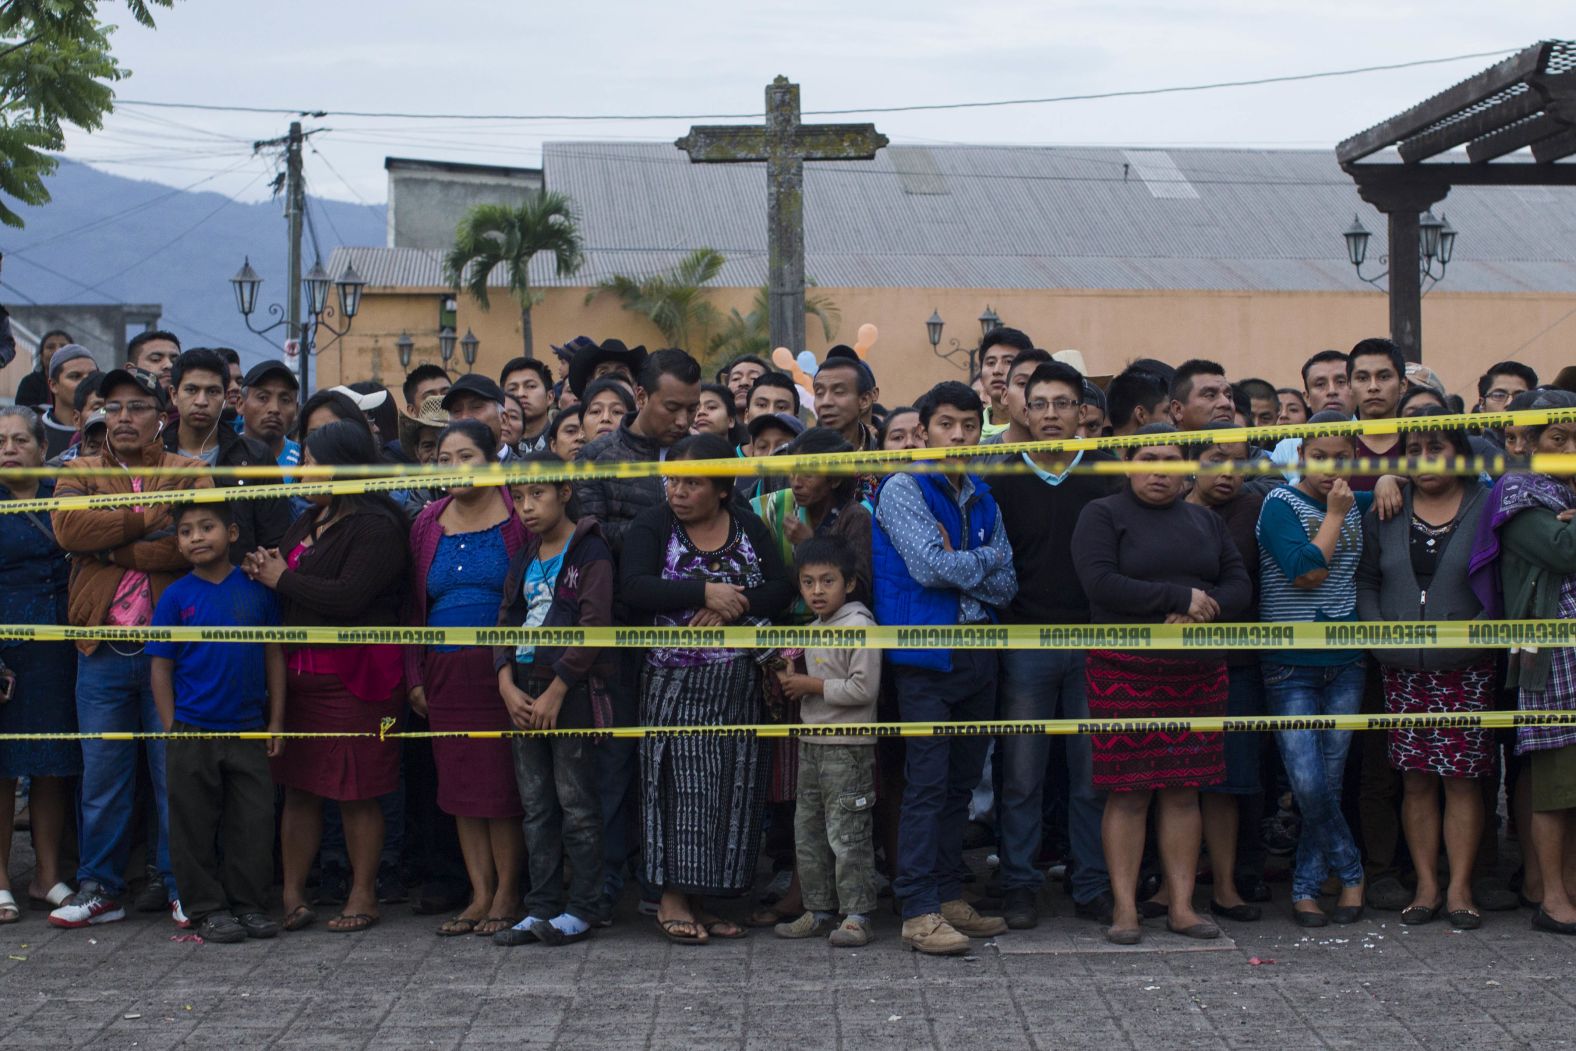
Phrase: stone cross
{"type": "Point", "coordinates": [784, 144]}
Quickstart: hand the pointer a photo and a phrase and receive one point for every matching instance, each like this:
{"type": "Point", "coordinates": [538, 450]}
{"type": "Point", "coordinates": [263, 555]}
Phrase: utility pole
{"type": "Point", "coordinates": [295, 209]}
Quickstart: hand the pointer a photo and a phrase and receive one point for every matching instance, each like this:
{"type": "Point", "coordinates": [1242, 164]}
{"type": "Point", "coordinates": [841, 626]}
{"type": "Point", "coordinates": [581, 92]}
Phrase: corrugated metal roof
{"type": "Point", "coordinates": [1023, 217]}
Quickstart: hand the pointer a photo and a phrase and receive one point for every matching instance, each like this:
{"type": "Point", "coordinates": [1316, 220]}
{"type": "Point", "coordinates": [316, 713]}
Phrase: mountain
{"type": "Point", "coordinates": [108, 239]}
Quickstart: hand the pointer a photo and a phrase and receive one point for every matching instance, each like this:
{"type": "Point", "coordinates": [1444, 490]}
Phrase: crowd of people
{"type": "Point", "coordinates": [535, 839]}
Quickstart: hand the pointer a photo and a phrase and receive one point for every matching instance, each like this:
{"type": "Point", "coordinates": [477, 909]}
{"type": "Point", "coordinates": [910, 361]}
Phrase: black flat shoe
{"type": "Point", "coordinates": [1253, 889]}
{"type": "Point", "coordinates": [1345, 914]}
{"type": "Point", "coordinates": [1465, 919]}
{"type": "Point", "coordinates": [1153, 910]}
{"type": "Point", "coordinates": [1310, 919]}
{"type": "Point", "coordinates": [1239, 913]}
{"type": "Point", "coordinates": [1098, 909]}
{"type": "Point", "coordinates": [1417, 915]}
{"type": "Point", "coordinates": [1544, 922]}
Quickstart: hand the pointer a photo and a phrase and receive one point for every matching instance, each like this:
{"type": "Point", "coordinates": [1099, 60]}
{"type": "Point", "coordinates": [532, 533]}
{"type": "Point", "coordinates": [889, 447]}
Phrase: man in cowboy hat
{"type": "Point", "coordinates": [610, 358]}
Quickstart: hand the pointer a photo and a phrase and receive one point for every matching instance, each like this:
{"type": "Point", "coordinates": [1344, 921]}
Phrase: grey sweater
{"type": "Point", "coordinates": [1387, 588]}
{"type": "Point", "coordinates": [852, 677]}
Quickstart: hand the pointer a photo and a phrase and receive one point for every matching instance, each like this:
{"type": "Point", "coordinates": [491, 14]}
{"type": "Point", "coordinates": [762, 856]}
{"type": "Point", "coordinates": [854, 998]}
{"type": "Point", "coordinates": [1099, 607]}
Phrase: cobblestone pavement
{"type": "Point", "coordinates": [1374, 984]}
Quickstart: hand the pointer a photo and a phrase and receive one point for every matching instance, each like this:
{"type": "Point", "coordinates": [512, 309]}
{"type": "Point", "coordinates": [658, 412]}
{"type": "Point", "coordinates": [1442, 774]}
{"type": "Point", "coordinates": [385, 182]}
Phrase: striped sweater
{"type": "Point", "coordinates": [1288, 522]}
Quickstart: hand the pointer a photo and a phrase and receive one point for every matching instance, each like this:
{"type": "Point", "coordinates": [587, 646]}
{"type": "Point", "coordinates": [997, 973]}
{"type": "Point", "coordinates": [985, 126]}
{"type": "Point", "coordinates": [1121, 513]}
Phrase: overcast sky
{"type": "Point", "coordinates": [715, 56]}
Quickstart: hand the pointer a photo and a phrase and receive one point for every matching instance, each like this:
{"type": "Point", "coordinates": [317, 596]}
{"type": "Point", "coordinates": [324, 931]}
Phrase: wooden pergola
{"type": "Point", "coordinates": [1528, 101]}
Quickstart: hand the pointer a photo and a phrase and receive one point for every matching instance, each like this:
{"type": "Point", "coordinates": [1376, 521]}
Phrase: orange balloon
{"type": "Point", "coordinates": [800, 376]}
{"type": "Point", "coordinates": [868, 334]}
{"type": "Point", "coordinates": [783, 358]}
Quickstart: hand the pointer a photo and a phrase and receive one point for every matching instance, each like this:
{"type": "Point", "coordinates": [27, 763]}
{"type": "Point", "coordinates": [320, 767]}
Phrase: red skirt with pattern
{"type": "Point", "coordinates": [1156, 686]}
{"type": "Point", "coordinates": [1449, 751]}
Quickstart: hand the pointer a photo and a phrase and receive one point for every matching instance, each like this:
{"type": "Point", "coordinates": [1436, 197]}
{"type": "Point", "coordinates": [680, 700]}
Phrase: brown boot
{"type": "Point", "coordinates": [963, 918]}
{"type": "Point", "coordinates": [932, 934]}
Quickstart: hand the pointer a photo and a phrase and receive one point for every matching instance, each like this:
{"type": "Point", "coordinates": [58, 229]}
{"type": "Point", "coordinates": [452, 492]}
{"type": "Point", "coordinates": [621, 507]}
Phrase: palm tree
{"type": "Point", "coordinates": [751, 333]}
{"type": "Point", "coordinates": [493, 235]}
{"type": "Point", "coordinates": [674, 300]}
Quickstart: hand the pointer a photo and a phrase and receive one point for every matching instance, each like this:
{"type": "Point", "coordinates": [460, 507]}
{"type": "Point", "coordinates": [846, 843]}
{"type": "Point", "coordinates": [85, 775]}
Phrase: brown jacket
{"type": "Point", "coordinates": [104, 544]}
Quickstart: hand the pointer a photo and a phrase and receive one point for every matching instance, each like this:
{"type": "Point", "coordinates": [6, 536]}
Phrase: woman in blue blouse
{"type": "Point", "coordinates": [38, 680]}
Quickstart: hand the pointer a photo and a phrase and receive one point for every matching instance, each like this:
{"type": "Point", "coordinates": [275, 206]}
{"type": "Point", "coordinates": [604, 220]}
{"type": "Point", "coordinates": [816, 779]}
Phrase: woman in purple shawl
{"type": "Point", "coordinates": [1524, 566]}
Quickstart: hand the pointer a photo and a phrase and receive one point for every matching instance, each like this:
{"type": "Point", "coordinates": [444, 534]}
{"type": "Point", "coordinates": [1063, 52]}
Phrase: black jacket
{"type": "Point", "coordinates": [614, 502]}
{"type": "Point", "coordinates": [262, 523]}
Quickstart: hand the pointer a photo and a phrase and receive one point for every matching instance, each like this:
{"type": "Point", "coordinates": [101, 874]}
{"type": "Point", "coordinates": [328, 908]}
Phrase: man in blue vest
{"type": "Point", "coordinates": [941, 558]}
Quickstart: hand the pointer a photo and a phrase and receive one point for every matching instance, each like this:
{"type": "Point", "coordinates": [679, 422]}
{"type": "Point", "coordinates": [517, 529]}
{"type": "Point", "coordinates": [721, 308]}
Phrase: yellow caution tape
{"type": "Point", "coordinates": [884, 461]}
{"type": "Point", "coordinates": [1557, 464]}
{"type": "Point", "coordinates": [997, 728]}
{"type": "Point", "coordinates": [1317, 635]}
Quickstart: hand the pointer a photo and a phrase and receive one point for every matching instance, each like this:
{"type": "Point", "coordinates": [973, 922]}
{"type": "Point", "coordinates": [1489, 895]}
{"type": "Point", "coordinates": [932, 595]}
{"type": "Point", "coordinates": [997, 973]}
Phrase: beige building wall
{"type": "Point", "coordinates": [1252, 334]}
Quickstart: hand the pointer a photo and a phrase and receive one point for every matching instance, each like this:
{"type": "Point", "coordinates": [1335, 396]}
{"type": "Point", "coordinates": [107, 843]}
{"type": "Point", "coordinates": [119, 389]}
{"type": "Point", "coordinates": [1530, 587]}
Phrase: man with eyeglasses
{"type": "Point", "coordinates": [1039, 510]}
{"type": "Point", "coordinates": [123, 558]}
{"type": "Point", "coordinates": [1496, 387]}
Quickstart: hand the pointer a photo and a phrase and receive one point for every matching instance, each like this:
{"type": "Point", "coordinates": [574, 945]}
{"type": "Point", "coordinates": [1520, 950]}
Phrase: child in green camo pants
{"type": "Point", "coordinates": [832, 825]}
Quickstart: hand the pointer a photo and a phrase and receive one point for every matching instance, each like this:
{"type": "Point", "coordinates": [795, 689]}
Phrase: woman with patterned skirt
{"type": "Point", "coordinates": [1414, 567]}
{"type": "Point", "coordinates": [1147, 556]}
{"type": "Point", "coordinates": [698, 562]}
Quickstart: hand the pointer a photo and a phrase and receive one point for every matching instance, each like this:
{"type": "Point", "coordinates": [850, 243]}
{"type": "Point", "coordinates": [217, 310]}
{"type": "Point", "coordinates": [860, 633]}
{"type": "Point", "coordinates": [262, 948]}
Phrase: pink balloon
{"type": "Point", "coordinates": [783, 358]}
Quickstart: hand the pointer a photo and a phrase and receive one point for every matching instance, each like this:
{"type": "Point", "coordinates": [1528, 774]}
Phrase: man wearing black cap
{"type": "Point", "coordinates": [69, 366]}
{"type": "Point", "coordinates": [199, 378]}
{"type": "Point", "coordinates": [122, 560]}
{"type": "Point", "coordinates": [475, 397]}
{"type": "Point", "coordinates": [269, 403]}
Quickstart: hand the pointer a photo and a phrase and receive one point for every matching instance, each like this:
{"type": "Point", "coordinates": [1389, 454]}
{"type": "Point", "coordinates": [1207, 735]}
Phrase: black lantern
{"type": "Point", "coordinates": [446, 344]}
{"type": "Point", "coordinates": [316, 284]}
{"type": "Point", "coordinates": [468, 347]}
{"type": "Point", "coordinates": [246, 283]}
{"type": "Point", "coordinates": [989, 322]}
{"type": "Point", "coordinates": [933, 328]}
{"type": "Point", "coordinates": [1428, 228]}
{"type": "Point", "coordinates": [1357, 236]}
{"type": "Point", "coordinates": [405, 345]}
{"type": "Point", "coordinates": [349, 285]}
{"type": "Point", "coordinates": [1447, 240]}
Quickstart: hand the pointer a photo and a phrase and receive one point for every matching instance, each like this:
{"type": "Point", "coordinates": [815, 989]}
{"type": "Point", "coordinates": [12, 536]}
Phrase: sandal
{"type": "Point", "coordinates": [493, 924]}
{"type": "Point", "coordinates": [671, 930]}
{"type": "Point", "coordinates": [352, 923]}
{"type": "Point", "coordinates": [53, 898]}
{"type": "Point", "coordinates": [458, 925]}
{"type": "Point", "coordinates": [725, 929]}
{"type": "Point", "coordinates": [300, 918]}
{"type": "Point", "coordinates": [9, 913]}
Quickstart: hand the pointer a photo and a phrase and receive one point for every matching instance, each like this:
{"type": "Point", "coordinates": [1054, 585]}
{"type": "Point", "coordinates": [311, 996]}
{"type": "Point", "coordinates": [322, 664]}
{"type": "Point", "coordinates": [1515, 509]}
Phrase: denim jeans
{"type": "Point", "coordinates": [1047, 684]}
{"type": "Point", "coordinates": [115, 693]}
{"type": "Point", "coordinates": [942, 772]}
{"type": "Point", "coordinates": [1315, 765]}
{"type": "Point", "coordinates": [557, 778]}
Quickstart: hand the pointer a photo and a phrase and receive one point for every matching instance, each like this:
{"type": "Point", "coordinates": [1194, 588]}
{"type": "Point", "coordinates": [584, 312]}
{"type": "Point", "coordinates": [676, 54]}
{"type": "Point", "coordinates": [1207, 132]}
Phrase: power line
{"type": "Point", "coordinates": [925, 107]}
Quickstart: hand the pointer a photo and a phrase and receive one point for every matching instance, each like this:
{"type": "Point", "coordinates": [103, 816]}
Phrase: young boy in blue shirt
{"type": "Point", "coordinates": [220, 790]}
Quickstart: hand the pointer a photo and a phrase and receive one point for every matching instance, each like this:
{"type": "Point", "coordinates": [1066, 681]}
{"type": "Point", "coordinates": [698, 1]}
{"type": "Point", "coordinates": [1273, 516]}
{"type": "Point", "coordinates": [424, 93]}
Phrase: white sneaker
{"type": "Point", "coordinates": [178, 915]}
{"type": "Point", "coordinates": [88, 907]}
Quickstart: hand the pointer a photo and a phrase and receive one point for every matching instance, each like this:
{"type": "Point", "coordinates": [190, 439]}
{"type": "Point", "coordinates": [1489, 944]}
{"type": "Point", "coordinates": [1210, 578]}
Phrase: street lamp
{"type": "Point", "coordinates": [468, 347]}
{"type": "Point", "coordinates": [933, 328]}
{"type": "Point", "coordinates": [405, 345]}
{"type": "Point", "coordinates": [316, 285]}
{"type": "Point", "coordinates": [446, 345]}
{"type": "Point", "coordinates": [989, 322]}
{"type": "Point", "coordinates": [1357, 236]}
{"type": "Point", "coordinates": [246, 283]}
{"type": "Point", "coordinates": [955, 352]}
{"type": "Point", "coordinates": [1436, 242]}
{"type": "Point", "coordinates": [348, 285]}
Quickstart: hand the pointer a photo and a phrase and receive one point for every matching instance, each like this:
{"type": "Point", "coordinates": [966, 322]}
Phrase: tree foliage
{"type": "Point", "coordinates": [56, 68]}
{"type": "Point", "coordinates": [674, 300]}
{"type": "Point", "coordinates": [494, 235]}
{"type": "Point", "coordinates": [751, 333]}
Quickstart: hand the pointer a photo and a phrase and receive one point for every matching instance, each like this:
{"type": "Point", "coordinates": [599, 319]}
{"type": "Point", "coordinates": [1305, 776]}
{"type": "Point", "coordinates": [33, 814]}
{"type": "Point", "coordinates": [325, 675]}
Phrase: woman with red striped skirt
{"type": "Point", "coordinates": [1146, 556]}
